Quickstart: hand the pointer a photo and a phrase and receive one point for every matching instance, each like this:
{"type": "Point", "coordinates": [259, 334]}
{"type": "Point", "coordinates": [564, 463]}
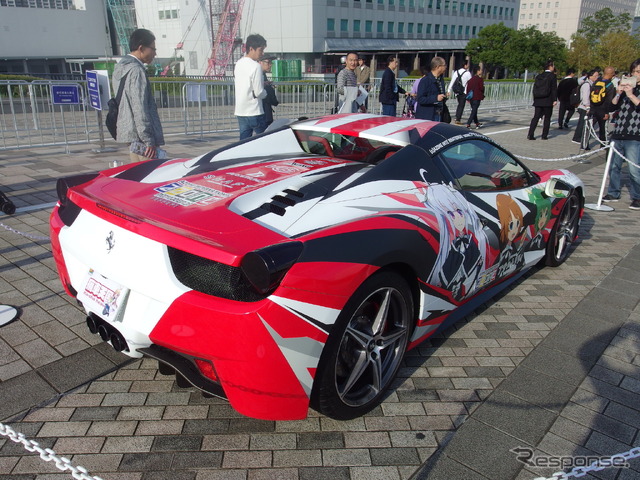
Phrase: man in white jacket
{"type": "Point", "coordinates": [249, 87]}
{"type": "Point", "coordinates": [461, 96]}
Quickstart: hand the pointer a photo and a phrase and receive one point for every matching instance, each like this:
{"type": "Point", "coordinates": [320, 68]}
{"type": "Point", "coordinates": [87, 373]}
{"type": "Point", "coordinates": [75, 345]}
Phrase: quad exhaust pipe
{"type": "Point", "coordinates": [107, 333]}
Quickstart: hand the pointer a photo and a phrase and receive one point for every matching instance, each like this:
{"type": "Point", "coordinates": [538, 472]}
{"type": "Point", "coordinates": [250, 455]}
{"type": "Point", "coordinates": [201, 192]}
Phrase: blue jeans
{"type": "Point", "coordinates": [631, 150]}
{"type": "Point", "coordinates": [250, 125]}
{"type": "Point", "coordinates": [388, 109]}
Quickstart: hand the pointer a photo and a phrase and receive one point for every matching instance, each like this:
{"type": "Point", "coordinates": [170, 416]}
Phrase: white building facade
{"type": "Point", "coordinates": [320, 31]}
{"type": "Point", "coordinates": [564, 16]}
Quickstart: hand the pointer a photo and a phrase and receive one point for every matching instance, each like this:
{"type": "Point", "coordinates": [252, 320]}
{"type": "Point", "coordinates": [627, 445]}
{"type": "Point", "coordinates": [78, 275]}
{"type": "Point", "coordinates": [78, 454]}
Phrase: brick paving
{"type": "Point", "coordinates": [552, 364]}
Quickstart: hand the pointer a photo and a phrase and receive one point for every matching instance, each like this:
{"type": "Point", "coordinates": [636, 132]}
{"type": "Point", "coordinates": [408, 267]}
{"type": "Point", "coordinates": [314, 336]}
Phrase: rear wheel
{"type": "Point", "coordinates": [564, 232]}
{"type": "Point", "coordinates": [365, 348]}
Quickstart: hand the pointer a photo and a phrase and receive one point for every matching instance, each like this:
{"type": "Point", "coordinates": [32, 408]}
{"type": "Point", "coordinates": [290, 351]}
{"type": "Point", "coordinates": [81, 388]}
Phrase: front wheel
{"type": "Point", "coordinates": [365, 348]}
{"type": "Point", "coordinates": [564, 232]}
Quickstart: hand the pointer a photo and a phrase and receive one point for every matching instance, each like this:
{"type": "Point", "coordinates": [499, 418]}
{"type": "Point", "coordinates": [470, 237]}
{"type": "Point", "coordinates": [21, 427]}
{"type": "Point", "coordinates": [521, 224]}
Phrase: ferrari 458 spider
{"type": "Point", "coordinates": [294, 269]}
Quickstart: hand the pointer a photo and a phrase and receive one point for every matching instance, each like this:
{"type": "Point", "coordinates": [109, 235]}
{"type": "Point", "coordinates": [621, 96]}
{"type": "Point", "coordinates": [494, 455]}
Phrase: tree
{"type": "Point", "coordinates": [580, 55]}
{"type": "Point", "coordinates": [490, 47]}
{"type": "Point", "coordinates": [617, 49]}
{"type": "Point", "coordinates": [604, 39]}
{"type": "Point", "coordinates": [529, 48]}
{"type": "Point", "coordinates": [603, 21]}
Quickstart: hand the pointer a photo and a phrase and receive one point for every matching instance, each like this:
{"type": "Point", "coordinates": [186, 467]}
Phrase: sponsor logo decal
{"type": "Point", "coordinates": [187, 194]}
{"type": "Point", "coordinates": [284, 168]}
{"type": "Point", "coordinates": [223, 181]}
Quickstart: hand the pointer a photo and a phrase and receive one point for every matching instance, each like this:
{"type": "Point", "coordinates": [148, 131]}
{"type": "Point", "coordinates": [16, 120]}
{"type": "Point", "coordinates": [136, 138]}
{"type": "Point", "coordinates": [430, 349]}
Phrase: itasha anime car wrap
{"type": "Point", "coordinates": [297, 267]}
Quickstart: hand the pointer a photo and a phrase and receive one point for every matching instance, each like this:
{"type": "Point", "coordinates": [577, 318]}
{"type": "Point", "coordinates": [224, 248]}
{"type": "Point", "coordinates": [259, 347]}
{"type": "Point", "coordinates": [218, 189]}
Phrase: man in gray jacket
{"type": "Point", "coordinates": [138, 120]}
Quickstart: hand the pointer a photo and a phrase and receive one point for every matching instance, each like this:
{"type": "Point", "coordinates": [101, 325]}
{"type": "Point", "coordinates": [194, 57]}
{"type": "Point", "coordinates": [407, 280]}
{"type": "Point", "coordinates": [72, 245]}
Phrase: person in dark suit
{"type": "Point", "coordinates": [565, 87]}
{"type": "Point", "coordinates": [431, 91]}
{"type": "Point", "coordinates": [271, 100]}
{"type": "Point", "coordinates": [389, 89]}
{"type": "Point", "coordinates": [544, 102]}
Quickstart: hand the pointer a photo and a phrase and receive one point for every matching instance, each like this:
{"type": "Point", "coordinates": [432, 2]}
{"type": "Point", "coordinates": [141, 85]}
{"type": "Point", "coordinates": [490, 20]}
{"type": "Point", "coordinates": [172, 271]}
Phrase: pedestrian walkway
{"type": "Point", "coordinates": [551, 367]}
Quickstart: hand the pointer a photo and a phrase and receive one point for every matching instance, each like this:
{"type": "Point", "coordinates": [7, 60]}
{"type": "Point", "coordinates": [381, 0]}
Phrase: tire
{"type": "Point", "coordinates": [362, 356]}
{"type": "Point", "coordinates": [564, 232]}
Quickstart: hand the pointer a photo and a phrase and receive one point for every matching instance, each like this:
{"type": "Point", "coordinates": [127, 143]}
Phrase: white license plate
{"type": "Point", "coordinates": [103, 297]}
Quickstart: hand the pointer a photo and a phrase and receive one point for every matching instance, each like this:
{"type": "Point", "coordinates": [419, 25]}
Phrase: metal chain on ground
{"type": "Point", "coordinates": [27, 235]}
{"type": "Point", "coordinates": [595, 466]}
{"type": "Point", "coordinates": [46, 454]}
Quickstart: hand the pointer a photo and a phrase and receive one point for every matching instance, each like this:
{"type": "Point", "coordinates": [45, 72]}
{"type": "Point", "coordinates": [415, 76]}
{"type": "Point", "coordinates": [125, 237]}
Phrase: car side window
{"type": "Point", "coordinates": [478, 165]}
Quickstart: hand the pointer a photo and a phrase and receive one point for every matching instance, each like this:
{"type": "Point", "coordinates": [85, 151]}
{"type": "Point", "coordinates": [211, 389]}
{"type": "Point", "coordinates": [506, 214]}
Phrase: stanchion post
{"type": "Point", "coordinates": [599, 206]}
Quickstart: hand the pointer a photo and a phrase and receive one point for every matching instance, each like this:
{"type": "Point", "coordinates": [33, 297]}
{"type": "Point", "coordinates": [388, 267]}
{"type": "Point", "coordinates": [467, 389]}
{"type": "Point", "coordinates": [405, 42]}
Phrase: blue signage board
{"type": "Point", "coordinates": [93, 88]}
{"type": "Point", "coordinates": [65, 94]}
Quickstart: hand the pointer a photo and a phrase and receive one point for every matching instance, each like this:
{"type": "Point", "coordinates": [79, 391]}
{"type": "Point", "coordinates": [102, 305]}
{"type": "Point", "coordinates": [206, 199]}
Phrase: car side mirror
{"type": "Point", "coordinates": [556, 188]}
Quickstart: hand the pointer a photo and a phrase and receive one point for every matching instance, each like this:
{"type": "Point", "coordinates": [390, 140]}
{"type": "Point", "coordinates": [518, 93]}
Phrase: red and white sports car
{"type": "Point", "coordinates": [295, 269]}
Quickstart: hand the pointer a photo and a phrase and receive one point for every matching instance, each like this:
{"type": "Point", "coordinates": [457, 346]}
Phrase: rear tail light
{"type": "Point", "coordinates": [265, 268]}
{"type": "Point", "coordinates": [206, 368]}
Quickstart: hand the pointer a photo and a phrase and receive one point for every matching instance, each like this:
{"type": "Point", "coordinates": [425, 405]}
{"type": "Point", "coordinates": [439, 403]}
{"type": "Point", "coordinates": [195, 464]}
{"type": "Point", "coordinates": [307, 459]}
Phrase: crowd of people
{"type": "Point", "coordinates": [597, 95]}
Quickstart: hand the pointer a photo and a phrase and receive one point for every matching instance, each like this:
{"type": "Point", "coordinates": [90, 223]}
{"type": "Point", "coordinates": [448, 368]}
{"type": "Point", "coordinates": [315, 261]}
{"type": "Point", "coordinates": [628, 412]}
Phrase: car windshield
{"type": "Point", "coordinates": [479, 165]}
{"type": "Point", "coordinates": [337, 145]}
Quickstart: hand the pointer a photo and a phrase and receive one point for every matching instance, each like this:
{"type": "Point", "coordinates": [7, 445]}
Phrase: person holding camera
{"type": "Point", "coordinates": [626, 137]}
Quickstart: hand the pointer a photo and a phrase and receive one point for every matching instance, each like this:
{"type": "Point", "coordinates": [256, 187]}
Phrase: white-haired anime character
{"type": "Point", "coordinates": [463, 242]}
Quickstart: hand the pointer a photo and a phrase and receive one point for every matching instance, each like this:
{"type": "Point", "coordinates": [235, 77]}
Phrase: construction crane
{"type": "Point", "coordinates": [228, 13]}
{"type": "Point", "coordinates": [179, 46]}
{"type": "Point", "coordinates": [123, 13]}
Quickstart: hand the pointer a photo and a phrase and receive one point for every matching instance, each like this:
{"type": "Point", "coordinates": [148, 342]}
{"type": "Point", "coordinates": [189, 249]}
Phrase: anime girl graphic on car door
{"type": "Point", "coordinates": [463, 243]}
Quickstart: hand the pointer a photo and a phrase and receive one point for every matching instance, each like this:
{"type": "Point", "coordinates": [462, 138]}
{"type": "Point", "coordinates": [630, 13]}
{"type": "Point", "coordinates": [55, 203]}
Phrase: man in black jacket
{"type": "Point", "coordinates": [545, 94]}
{"type": "Point", "coordinates": [565, 87]}
{"type": "Point", "coordinates": [271, 100]}
{"type": "Point", "coordinates": [389, 88]}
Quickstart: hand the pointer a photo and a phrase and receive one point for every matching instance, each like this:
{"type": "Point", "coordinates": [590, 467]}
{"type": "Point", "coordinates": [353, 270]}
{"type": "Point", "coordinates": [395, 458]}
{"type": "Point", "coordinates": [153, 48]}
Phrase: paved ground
{"type": "Point", "coordinates": [552, 365]}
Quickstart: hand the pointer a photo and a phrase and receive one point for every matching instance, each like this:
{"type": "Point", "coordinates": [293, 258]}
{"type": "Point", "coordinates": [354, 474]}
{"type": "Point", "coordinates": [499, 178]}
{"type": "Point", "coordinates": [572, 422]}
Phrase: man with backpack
{"type": "Point", "coordinates": [138, 122]}
{"type": "Point", "coordinates": [458, 86]}
{"type": "Point", "coordinates": [568, 97]}
{"type": "Point", "coordinates": [545, 94]}
{"type": "Point", "coordinates": [602, 92]}
{"type": "Point", "coordinates": [584, 109]}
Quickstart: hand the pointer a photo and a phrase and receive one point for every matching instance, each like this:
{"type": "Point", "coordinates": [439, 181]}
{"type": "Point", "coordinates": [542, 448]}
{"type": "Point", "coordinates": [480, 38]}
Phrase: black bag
{"type": "Point", "coordinates": [458, 87]}
{"type": "Point", "coordinates": [574, 97]}
{"type": "Point", "coordinates": [114, 104]}
{"type": "Point", "coordinates": [445, 116]}
{"type": "Point", "coordinates": [541, 86]}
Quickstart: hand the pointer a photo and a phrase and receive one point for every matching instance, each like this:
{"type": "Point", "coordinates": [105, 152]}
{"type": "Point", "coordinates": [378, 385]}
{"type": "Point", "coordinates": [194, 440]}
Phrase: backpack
{"type": "Point", "coordinates": [541, 87]}
{"type": "Point", "coordinates": [598, 92]}
{"type": "Point", "coordinates": [574, 97]}
{"type": "Point", "coordinates": [458, 87]}
{"type": "Point", "coordinates": [114, 104]}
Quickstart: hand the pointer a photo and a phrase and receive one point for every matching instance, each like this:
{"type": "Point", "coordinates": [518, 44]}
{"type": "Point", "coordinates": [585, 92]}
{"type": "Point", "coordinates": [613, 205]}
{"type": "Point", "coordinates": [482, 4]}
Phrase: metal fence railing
{"type": "Point", "coordinates": [28, 117]}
